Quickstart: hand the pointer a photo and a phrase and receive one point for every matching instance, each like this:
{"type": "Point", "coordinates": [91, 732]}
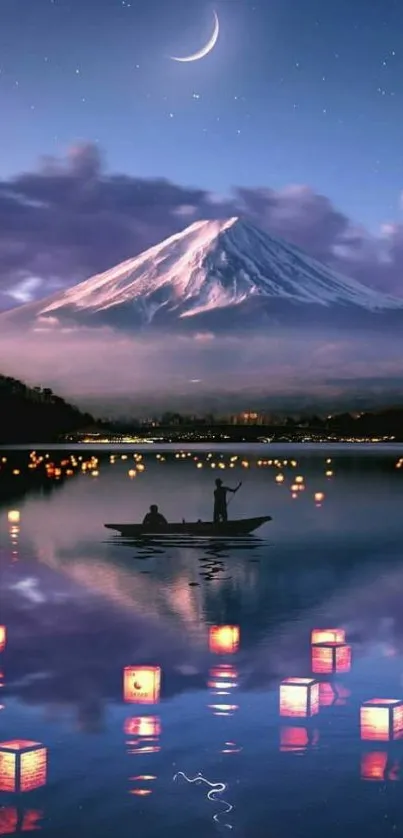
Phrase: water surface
{"type": "Point", "coordinates": [80, 605]}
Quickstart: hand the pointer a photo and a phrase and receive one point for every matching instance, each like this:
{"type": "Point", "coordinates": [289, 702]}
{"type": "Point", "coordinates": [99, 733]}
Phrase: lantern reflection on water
{"type": "Point", "coordinates": [223, 679]}
{"type": "Point", "coordinates": [141, 684]}
{"type": "Point", "coordinates": [145, 732]}
{"type": "Point", "coordinates": [224, 640]}
{"type": "Point", "coordinates": [148, 726]}
{"type": "Point", "coordinates": [330, 657]}
{"type": "Point", "coordinates": [299, 697]}
{"type": "Point", "coordinates": [23, 765]}
{"type": "Point", "coordinates": [12, 821]}
{"type": "Point", "coordinates": [3, 637]}
{"type": "Point", "coordinates": [382, 719]}
{"type": "Point", "coordinates": [378, 767]}
{"type": "Point", "coordinates": [297, 739]}
{"type": "Point", "coordinates": [326, 635]}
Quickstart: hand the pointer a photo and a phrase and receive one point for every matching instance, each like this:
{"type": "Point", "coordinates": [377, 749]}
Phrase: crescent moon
{"type": "Point", "coordinates": [205, 50]}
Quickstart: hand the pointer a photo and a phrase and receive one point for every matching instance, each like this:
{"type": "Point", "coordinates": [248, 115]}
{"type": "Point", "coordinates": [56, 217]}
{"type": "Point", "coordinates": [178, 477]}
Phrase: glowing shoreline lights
{"type": "Point", "coordinates": [23, 765]}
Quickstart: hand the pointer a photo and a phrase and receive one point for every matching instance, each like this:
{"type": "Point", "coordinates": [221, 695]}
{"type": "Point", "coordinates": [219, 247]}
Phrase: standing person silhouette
{"type": "Point", "coordinates": [220, 501]}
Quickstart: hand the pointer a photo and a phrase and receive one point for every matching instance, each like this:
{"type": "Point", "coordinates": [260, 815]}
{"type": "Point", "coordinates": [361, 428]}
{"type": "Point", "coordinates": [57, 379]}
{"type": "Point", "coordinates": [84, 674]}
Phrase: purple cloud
{"type": "Point", "coordinates": [71, 218]}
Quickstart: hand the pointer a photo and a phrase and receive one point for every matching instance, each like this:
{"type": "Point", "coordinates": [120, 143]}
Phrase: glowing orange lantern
{"type": "Point", "coordinates": [13, 516]}
{"type": "Point", "coordinates": [330, 657]}
{"type": "Point", "coordinates": [299, 697]}
{"type": "Point", "coordinates": [143, 726]}
{"type": "Point", "coordinates": [224, 640]}
{"type": "Point", "coordinates": [23, 765]}
{"type": "Point", "coordinates": [3, 638]}
{"type": "Point", "coordinates": [382, 719]}
{"type": "Point", "coordinates": [332, 635]}
{"type": "Point", "coordinates": [141, 684]}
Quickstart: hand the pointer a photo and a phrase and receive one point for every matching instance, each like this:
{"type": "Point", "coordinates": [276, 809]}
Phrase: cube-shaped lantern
{"type": "Point", "coordinates": [382, 719]}
{"type": "Point", "coordinates": [224, 640]}
{"type": "Point", "coordinates": [330, 657]}
{"type": "Point", "coordinates": [332, 635]}
{"type": "Point", "coordinates": [23, 765]}
{"type": "Point", "coordinates": [141, 684]}
{"type": "Point", "coordinates": [299, 697]}
{"type": "Point", "coordinates": [3, 638]}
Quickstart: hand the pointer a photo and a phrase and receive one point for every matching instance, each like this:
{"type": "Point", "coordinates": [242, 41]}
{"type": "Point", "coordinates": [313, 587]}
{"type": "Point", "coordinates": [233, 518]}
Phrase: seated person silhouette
{"type": "Point", "coordinates": [220, 501]}
{"type": "Point", "coordinates": [154, 518]}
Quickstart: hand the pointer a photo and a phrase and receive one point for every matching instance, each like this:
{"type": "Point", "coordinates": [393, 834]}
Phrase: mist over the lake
{"type": "Point", "coordinates": [101, 364]}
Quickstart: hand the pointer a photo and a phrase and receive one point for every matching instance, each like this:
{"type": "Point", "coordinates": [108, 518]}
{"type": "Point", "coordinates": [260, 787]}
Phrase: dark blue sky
{"type": "Point", "coordinates": [295, 91]}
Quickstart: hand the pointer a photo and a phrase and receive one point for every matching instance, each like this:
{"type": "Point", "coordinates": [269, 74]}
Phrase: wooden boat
{"type": "Point", "coordinates": [206, 529]}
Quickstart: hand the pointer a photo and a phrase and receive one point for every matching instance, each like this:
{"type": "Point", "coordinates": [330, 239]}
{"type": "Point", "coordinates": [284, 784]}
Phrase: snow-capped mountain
{"type": "Point", "coordinates": [214, 274]}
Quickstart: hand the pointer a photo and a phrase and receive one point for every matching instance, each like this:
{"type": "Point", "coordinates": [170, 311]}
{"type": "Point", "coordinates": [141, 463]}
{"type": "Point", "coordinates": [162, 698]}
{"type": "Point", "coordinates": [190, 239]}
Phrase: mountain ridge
{"type": "Point", "coordinates": [225, 274]}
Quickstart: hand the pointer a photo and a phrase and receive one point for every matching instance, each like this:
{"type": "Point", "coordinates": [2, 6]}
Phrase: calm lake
{"type": "Point", "coordinates": [127, 669]}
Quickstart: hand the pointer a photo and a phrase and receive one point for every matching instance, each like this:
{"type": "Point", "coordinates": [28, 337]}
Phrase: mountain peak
{"type": "Point", "coordinates": [227, 269]}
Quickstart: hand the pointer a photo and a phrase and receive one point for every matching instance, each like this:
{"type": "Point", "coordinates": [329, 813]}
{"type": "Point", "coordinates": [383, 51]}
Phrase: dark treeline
{"type": "Point", "coordinates": [33, 414]}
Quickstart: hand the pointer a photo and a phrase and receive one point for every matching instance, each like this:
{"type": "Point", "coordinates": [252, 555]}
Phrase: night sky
{"type": "Point", "coordinates": [299, 103]}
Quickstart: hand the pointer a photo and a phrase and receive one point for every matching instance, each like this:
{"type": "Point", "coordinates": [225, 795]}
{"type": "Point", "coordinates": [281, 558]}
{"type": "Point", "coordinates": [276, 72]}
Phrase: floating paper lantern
{"type": "Point", "coordinates": [13, 516]}
{"type": "Point", "coordinates": [143, 726]}
{"type": "Point", "coordinates": [280, 478]}
{"type": "Point", "coordinates": [382, 719]}
{"type": "Point", "coordinates": [299, 697]}
{"type": "Point", "coordinates": [319, 497]}
{"type": "Point", "coordinates": [328, 635]}
{"type": "Point", "coordinates": [330, 657]}
{"type": "Point", "coordinates": [141, 684]}
{"type": "Point", "coordinates": [23, 765]}
{"type": "Point", "coordinates": [224, 640]}
{"type": "Point", "coordinates": [3, 638]}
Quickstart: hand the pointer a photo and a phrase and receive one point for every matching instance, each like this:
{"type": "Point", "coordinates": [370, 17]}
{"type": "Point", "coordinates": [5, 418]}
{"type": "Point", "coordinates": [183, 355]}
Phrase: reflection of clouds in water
{"type": "Point", "coordinates": [80, 646]}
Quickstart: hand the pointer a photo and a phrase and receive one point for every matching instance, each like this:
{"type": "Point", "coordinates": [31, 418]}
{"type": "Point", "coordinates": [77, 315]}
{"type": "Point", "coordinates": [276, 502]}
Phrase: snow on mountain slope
{"type": "Point", "coordinates": [210, 266]}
